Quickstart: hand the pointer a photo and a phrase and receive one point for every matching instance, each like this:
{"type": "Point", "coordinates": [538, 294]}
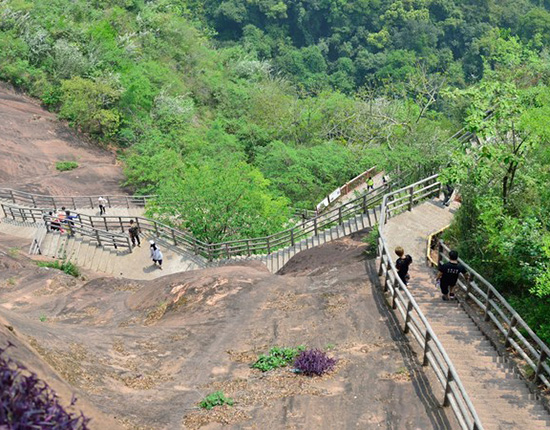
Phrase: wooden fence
{"type": "Point", "coordinates": [365, 204]}
{"type": "Point", "coordinates": [414, 321]}
{"type": "Point", "coordinates": [516, 334]}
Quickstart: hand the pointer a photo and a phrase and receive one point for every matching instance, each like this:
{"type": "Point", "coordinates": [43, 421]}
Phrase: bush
{"type": "Point", "coordinates": [372, 242]}
{"type": "Point", "coordinates": [277, 357]}
{"type": "Point", "coordinates": [314, 362]}
{"type": "Point", "coordinates": [63, 166]}
{"type": "Point", "coordinates": [27, 402]}
{"type": "Point", "coordinates": [215, 399]}
{"type": "Point", "coordinates": [66, 266]}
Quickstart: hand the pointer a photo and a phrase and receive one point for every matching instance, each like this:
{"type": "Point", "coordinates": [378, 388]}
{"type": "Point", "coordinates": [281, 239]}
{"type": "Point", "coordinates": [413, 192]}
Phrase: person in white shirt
{"type": "Point", "coordinates": [156, 254]}
{"type": "Point", "coordinates": [102, 202]}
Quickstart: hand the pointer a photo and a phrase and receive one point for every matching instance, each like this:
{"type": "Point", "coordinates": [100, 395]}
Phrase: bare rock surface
{"type": "Point", "coordinates": [32, 140]}
{"type": "Point", "coordinates": [144, 353]}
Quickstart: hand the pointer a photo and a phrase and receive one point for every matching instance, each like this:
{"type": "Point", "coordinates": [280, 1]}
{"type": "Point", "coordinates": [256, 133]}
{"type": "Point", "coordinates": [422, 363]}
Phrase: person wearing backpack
{"type": "Point", "coordinates": [134, 233]}
{"type": "Point", "coordinates": [448, 275]}
{"type": "Point", "coordinates": [402, 264]}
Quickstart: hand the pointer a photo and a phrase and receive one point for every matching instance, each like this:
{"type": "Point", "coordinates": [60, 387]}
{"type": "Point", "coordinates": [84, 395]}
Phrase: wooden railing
{"type": "Point", "coordinates": [366, 204]}
{"type": "Point", "coordinates": [414, 321]}
{"type": "Point", "coordinates": [516, 334]}
{"type": "Point", "coordinates": [70, 202]}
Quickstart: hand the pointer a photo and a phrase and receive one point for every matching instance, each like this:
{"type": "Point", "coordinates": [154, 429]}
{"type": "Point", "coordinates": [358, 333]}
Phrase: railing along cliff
{"type": "Point", "coordinates": [516, 334]}
{"type": "Point", "coordinates": [414, 321]}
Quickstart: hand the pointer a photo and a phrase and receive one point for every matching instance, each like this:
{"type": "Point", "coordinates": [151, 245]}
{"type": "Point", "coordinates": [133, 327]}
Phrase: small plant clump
{"type": "Point", "coordinates": [66, 266]}
{"type": "Point", "coordinates": [217, 398]}
{"type": "Point", "coordinates": [63, 166]}
{"type": "Point", "coordinates": [26, 402]}
{"type": "Point", "coordinates": [314, 362]}
{"type": "Point", "coordinates": [372, 242]}
{"type": "Point", "coordinates": [277, 357]}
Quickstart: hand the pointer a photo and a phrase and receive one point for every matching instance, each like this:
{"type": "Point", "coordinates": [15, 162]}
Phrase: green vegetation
{"type": "Point", "coordinates": [215, 399]}
{"type": "Point", "coordinates": [371, 239]}
{"type": "Point", "coordinates": [43, 318]}
{"type": "Point", "coordinates": [277, 357]}
{"type": "Point", "coordinates": [63, 166]}
{"type": "Point", "coordinates": [233, 111]}
{"type": "Point", "coordinates": [65, 266]}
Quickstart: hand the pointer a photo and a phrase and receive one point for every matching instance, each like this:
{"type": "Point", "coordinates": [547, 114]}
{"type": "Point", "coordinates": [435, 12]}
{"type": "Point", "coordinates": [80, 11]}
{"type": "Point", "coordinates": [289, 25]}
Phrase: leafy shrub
{"type": "Point", "coordinates": [63, 166]}
{"type": "Point", "coordinates": [215, 399]}
{"type": "Point", "coordinates": [277, 357]}
{"type": "Point", "coordinates": [66, 266]}
{"type": "Point", "coordinates": [314, 362]}
{"type": "Point", "coordinates": [27, 402]}
{"type": "Point", "coordinates": [372, 242]}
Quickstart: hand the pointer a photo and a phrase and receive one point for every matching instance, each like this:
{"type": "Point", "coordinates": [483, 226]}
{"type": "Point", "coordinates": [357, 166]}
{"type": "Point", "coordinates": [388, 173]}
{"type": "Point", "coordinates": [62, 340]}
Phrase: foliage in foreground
{"type": "Point", "coordinates": [66, 266]}
{"type": "Point", "coordinates": [26, 402]}
{"type": "Point", "coordinates": [63, 166]}
{"type": "Point", "coordinates": [277, 357]}
{"type": "Point", "coordinates": [217, 398]}
{"type": "Point", "coordinates": [314, 362]}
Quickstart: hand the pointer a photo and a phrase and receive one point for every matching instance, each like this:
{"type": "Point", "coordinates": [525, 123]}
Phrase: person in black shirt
{"type": "Point", "coordinates": [448, 275]}
{"type": "Point", "coordinates": [402, 264]}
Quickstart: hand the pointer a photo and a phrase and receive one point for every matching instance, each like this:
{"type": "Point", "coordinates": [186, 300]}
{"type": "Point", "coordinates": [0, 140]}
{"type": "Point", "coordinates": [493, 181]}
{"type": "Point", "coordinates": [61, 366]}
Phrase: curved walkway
{"type": "Point", "coordinates": [501, 399]}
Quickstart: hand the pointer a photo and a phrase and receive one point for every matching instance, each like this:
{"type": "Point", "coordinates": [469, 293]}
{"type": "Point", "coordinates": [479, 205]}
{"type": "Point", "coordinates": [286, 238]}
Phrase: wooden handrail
{"type": "Point", "coordinates": [415, 321]}
{"type": "Point", "coordinates": [497, 309]}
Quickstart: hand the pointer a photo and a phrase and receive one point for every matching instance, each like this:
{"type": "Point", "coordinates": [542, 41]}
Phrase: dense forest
{"type": "Point", "coordinates": [235, 111]}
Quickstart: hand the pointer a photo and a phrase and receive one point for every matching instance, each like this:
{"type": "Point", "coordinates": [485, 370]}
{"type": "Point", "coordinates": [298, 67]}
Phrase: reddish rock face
{"type": "Point", "coordinates": [32, 140]}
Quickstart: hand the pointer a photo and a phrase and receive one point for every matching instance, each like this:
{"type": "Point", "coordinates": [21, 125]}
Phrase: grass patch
{"type": "Point", "coordinates": [65, 266]}
{"type": "Point", "coordinates": [215, 399]}
{"type": "Point", "coordinates": [277, 357]}
{"type": "Point", "coordinates": [13, 252]}
{"type": "Point", "coordinates": [63, 166]}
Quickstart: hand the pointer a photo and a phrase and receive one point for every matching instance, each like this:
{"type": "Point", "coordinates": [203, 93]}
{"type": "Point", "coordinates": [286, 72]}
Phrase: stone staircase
{"type": "Point", "coordinates": [501, 398]}
{"type": "Point", "coordinates": [276, 260]}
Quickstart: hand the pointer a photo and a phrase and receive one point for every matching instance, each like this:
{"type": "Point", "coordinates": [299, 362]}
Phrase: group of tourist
{"type": "Point", "coordinates": [447, 275]}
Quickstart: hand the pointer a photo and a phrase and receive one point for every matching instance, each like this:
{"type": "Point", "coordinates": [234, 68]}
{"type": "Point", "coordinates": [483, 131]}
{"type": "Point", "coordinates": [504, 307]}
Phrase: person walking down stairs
{"type": "Point", "coordinates": [102, 202]}
{"type": "Point", "coordinates": [134, 233]}
{"type": "Point", "coordinates": [402, 264]}
{"type": "Point", "coordinates": [448, 275]}
{"type": "Point", "coordinates": [156, 254]}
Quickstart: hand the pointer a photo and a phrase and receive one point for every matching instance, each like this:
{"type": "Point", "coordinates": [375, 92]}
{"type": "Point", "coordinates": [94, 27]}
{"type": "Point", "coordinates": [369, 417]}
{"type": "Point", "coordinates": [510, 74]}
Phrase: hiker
{"type": "Point", "coordinates": [102, 202]}
{"type": "Point", "coordinates": [402, 264]}
{"type": "Point", "coordinates": [448, 275]}
{"type": "Point", "coordinates": [134, 233]}
{"type": "Point", "coordinates": [448, 194]}
{"type": "Point", "coordinates": [69, 220]}
{"type": "Point", "coordinates": [52, 224]}
{"type": "Point", "coordinates": [370, 183]}
{"type": "Point", "coordinates": [156, 255]}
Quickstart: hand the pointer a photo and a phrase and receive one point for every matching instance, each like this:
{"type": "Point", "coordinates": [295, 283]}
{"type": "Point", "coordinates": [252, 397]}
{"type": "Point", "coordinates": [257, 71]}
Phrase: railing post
{"type": "Point", "coordinates": [439, 252]}
{"type": "Point", "coordinates": [427, 339]}
{"type": "Point", "coordinates": [340, 215]}
{"type": "Point", "coordinates": [33, 200]}
{"type": "Point", "coordinates": [394, 295]}
{"type": "Point", "coordinates": [121, 226]}
{"type": "Point", "coordinates": [53, 204]}
{"type": "Point", "coordinates": [91, 203]}
{"type": "Point", "coordinates": [542, 359]}
{"type": "Point", "coordinates": [227, 252]}
{"type": "Point", "coordinates": [248, 247]}
{"type": "Point", "coordinates": [108, 202]}
{"type": "Point", "coordinates": [488, 303]}
{"type": "Point", "coordinates": [513, 322]}
{"type": "Point", "coordinates": [268, 247]}
{"type": "Point", "coordinates": [74, 204]}
{"type": "Point", "coordinates": [105, 222]}
{"type": "Point", "coordinates": [408, 317]}
{"type": "Point", "coordinates": [468, 286]}
{"type": "Point", "coordinates": [315, 226]}
{"type": "Point", "coordinates": [447, 388]}
{"type": "Point", "coordinates": [33, 218]}
{"type": "Point", "coordinates": [382, 253]}
{"type": "Point", "coordinates": [12, 196]}
{"type": "Point", "coordinates": [97, 238]}
{"type": "Point", "coordinates": [127, 202]}
{"type": "Point", "coordinates": [411, 198]}
{"type": "Point", "coordinates": [174, 237]}
{"type": "Point", "coordinates": [292, 237]}
{"type": "Point", "coordinates": [365, 210]}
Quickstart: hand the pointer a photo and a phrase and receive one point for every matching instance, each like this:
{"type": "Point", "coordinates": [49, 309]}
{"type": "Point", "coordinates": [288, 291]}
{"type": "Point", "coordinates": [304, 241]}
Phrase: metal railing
{"type": "Point", "coordinates": [70, 202]}
{"type": "Point", "coordinates": [515, 331]}
{"type": "Point", "coordinates": [366, 205]}
{"type": "Point", "coordinates": [414, 321]}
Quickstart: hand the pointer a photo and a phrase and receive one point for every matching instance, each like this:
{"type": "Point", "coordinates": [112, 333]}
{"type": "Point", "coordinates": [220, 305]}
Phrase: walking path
{"type": "Point", "coordinates": [501, 399]}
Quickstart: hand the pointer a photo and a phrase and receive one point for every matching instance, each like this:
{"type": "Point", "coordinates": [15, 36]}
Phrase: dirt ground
{"type": "Point", "coordinates": [145, 353]}
{"type": "Point", "coordinates": [32, 140]}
